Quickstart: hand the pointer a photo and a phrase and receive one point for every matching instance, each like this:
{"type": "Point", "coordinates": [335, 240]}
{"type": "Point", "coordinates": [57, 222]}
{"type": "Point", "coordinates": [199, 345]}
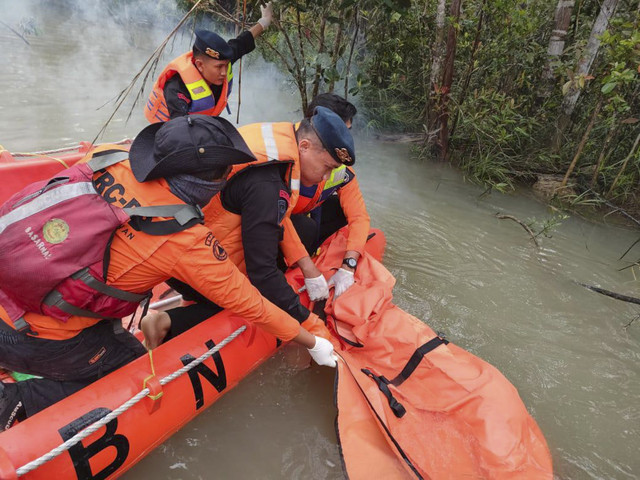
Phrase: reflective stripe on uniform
{"type": "Point", "coordinates": [46, 200]}
{"type": "Point", "coordinates": [336, 178]}
{"type": "Point", "coordinates": [270, 142]}
{"type": "Point", "coordinates": [199, 89]}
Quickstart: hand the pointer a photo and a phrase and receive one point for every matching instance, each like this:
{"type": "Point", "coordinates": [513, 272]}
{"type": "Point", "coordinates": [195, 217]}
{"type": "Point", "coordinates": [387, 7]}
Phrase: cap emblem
{"type": "Point", "coordinates": [343, 155]}
{"type": "Point", "coordinates": [212, 53]}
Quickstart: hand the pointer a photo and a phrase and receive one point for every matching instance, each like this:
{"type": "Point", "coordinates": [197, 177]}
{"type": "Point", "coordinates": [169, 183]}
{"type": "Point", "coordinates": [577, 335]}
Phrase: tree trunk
{"type": "Point", "coordinates": [336, 53]}
{"type": "Point", "coordinates": [447, 79]}
{"type": "Point", "coordinates": [584, 65]}
{"type": "Point", "coordinates": [318, 75]}
{"type": "Point", "coordinates": [562, 19]}
{"type": "Point", "coordinates": [469, 72]}
{"type": "Point", "coordinates": [356, 22]}
{"type": "Point", "coordinates": [436, 66]}
{"type": "Point", "coordinates": [583, 142]}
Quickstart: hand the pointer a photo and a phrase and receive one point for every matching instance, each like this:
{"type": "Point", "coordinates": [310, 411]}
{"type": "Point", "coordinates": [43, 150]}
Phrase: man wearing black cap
{"type": "Point", "coordinates": [183, 161]}
{"type": "Point", "coordinates": [251, 215]}
{"type": "Point", "coordinates": [200, 81]}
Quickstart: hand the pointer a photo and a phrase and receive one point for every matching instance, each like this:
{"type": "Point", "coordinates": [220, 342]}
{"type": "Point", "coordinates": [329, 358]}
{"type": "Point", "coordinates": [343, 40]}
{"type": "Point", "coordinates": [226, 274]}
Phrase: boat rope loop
{"type": "Point", "coordinates": [123, 408]}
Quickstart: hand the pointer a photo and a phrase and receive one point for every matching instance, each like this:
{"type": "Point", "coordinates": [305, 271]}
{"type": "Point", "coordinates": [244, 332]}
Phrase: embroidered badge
{"type": "Point", "coordinates": [219, 252]}
{"type": "Point", "coordinates": [209, 240]}
{"type": "Point", "coordinates": [212, 53]}
{"type": "Point", "coordinates": [55, 231]}
{"type": "Point", "coordinates": [343, 155]}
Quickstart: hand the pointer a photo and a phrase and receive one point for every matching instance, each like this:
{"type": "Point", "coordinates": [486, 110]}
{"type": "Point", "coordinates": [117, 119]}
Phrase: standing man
{"type": "Point", "coordinates": [200, 81]}
{"type": "Point", "coordinates": [322, 209]}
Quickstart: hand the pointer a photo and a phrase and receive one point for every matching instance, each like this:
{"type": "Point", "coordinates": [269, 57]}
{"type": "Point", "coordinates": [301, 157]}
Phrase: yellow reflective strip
{"type": "Point", "coordinates": [202, 88]}
{"type": "Point", "coordinates": [229, 73]}
{"type": "Point", "coordinates": [336, 178]}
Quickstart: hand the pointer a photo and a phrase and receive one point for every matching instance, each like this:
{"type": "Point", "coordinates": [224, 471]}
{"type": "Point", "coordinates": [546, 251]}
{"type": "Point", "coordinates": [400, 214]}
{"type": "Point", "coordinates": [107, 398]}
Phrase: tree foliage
{"type": "Point", "coordinates": [499, 76]}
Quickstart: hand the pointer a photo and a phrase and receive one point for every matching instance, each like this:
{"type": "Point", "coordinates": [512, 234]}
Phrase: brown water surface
{"type": "Point", "coordinates": [476, 278]}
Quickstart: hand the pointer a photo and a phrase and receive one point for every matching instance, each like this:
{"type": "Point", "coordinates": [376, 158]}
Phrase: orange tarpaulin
{"type": "Point", "coordinates": [412, 405]}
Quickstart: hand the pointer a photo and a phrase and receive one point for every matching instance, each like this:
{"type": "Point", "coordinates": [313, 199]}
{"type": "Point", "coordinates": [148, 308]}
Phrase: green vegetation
{"type": "Point", "coordinates": [506, 90]}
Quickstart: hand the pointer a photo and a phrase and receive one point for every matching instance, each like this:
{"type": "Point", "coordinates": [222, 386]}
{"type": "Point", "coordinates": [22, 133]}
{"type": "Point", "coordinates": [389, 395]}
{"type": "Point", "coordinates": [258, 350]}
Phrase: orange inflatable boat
{"type": "Point", "coordinates": [410, 404]}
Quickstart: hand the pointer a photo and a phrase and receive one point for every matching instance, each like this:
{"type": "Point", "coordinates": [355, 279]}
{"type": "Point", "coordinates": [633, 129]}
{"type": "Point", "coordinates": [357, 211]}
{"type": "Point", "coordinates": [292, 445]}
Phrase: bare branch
{"type": "Point", "coordinates": [522, 224]}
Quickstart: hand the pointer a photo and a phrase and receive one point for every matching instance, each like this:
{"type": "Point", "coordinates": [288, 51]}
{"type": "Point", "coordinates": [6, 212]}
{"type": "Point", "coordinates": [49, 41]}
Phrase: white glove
{"type": "Point", "coordinates": [322, 353]}
{"type": "Point", "coordinates": [317, 288]}
{"type": "Point", "coordinates": [267, 15]}
{"type": "Point", "coordinates": [342, 280]}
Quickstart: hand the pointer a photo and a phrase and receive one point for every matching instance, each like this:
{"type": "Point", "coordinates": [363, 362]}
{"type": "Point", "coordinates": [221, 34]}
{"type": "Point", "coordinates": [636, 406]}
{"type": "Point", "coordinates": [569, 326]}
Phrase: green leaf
{"type": "Point", "coordinates": [608, 87]}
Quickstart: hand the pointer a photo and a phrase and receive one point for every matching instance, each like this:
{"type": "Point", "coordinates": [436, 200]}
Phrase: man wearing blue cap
{"type": "Point", "coordinates": [200, 81]}
{"type": "Point", "coordinates": [250, 217]}
{"type": "Point", "coordinates": [324, 208]}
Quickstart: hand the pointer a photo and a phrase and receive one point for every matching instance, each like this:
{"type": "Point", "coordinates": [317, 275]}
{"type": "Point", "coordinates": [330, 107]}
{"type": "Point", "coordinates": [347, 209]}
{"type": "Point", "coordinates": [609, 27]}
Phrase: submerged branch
{"type": "Point", "coordinates": [632, 320]}
{"type": "Point", "coordinates": [522, 224]}
{"type": "Point", "coordinates": [609, 293]}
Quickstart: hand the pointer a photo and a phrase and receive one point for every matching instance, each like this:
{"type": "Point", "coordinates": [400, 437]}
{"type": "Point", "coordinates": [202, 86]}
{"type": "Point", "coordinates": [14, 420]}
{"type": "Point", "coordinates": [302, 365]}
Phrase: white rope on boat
{"type": "Point", "coordinates": [123, 408]}
{"type": "Point", "coordinates": [60, 150]}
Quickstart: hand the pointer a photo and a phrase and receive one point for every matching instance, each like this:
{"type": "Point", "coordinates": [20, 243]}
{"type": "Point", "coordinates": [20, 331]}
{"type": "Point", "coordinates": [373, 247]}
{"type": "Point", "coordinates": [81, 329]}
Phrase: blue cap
{"type": "Point", "coordinates": [213, 45]}
{"type": "Point", "coordinates": [334, 135]}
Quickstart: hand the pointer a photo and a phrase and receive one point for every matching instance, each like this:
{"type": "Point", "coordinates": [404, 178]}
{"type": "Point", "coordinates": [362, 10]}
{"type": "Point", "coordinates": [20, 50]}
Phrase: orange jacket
{"type": "Point", "coordinates": [343, 181]}
{"type": "Point", "coordinates": [269, 142]}
{"type": "Point", "coordinates": [139, 261]}
{"type": "Point", "coordinates": [202, 99]}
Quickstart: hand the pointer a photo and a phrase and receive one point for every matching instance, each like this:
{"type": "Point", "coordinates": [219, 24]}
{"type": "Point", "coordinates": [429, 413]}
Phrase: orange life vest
{"type": "Point", "coordinates": [269, 142]}
{"type": "Point", "coordinates": [202, 99]}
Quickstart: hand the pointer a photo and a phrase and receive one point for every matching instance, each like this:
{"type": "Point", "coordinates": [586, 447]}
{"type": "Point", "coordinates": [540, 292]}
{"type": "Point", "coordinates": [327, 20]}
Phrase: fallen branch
{"type": "Point", "coordinates": [632, 320]}
{"type": "Point", "coordinates": [609, 293]}
{"type": "Point", "coordinates": [522, 224]}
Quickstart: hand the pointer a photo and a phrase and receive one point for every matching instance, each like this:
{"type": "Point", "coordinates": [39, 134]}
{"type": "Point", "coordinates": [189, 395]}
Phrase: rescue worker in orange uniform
{"type": "Point", "coordinates": [200, 81]}
{"type": "Point", "coordinates": [251, 214]}
{"type": "Point", "coordinates": [185, 161]}
{"type": "Point", "coordinates": [324, 208]}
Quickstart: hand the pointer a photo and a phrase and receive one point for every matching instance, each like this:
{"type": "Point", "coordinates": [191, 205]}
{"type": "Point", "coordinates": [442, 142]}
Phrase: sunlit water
{"type": "Point", "coordinates": [476, 278]}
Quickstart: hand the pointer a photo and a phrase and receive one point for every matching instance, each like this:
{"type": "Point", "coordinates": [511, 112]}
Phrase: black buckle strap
{"type": "Point", "coordinates": [383, 384]}
{"type": "Point", "coordinates": [416, 358]}
{"type": "Point", "coordinates": [21, 326]}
